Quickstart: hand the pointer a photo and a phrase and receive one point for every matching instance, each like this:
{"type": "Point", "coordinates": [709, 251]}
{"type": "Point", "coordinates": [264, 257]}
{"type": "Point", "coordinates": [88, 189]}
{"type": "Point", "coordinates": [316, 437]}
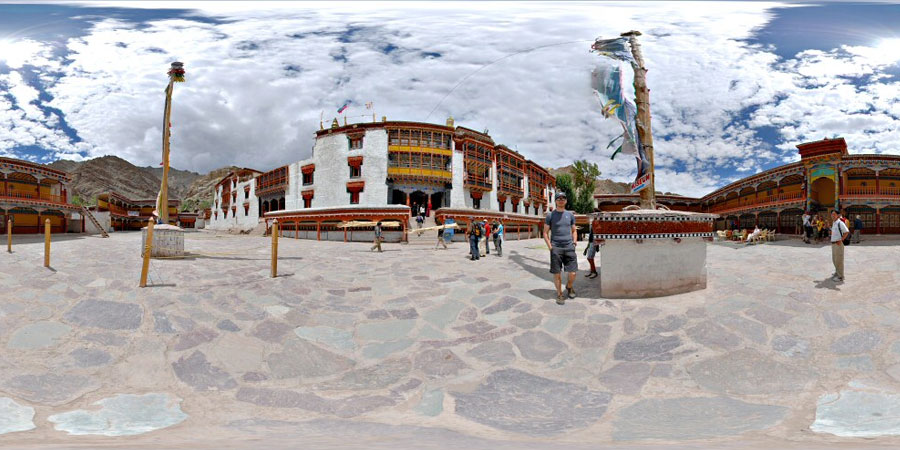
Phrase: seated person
{"type": "Point", "coordinates": [754, 235]}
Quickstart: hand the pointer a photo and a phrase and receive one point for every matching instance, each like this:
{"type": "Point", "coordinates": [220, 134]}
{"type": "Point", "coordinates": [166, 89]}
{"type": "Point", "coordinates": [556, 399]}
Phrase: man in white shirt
{"type": "Point", "coordinates": [807, 227]}
{"type": "Point", "coordinates": [754, 235]}
{"type": "Point", "coordinates": [839, 232]}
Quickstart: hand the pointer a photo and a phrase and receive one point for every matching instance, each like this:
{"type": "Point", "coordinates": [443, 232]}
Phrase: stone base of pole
{"type": "Point", "coordinates": [168, 240]}
{"type": "Point", "coordinates": [652, 253]}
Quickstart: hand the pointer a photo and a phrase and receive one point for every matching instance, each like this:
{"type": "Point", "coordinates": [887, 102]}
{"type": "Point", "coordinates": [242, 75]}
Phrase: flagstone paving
{"type": "Point", "coordinates": [422, 347]}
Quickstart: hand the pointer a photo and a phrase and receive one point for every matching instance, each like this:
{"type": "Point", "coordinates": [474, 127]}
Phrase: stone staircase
{"type": "Point", "coordinates": [427, 237]}
{"type": "Point", "coordinates": [87, 214]}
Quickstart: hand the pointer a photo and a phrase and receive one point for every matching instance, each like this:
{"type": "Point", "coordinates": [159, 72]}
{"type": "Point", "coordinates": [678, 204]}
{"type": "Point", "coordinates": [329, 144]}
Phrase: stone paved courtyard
{"type": "Point", "coordinates": [422, 348]}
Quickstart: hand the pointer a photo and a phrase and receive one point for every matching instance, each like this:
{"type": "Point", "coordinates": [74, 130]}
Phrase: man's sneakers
{"type": "Point", "coordinates": [561, 299]}
{"type": "Point", "coordinates": [571, 292]}
{"type": "Point", "coordinates": [837, 279]}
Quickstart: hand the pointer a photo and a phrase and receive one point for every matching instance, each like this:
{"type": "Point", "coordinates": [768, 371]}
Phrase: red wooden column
{"type": "Point", "coordinates": [296, 229]}
{"type": "Point", "coordinates": [877, 217]}
{"type": "Point", "coordinates": [345, 234]}
{"type": "Point", "coordinates": [318, 231]}
{"type": "Point", "coordinates": [877, 185]}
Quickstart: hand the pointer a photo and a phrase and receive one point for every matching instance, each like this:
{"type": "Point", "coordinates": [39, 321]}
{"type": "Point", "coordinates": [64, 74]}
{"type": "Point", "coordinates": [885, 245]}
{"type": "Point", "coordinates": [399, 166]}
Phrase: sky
{"type": "Point", "coordinates": [735, 86]}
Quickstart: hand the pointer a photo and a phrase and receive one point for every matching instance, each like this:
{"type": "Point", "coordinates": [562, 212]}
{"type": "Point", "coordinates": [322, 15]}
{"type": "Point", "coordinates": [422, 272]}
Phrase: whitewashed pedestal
{"type": "Point", "coordinates": [647, 253]}
{"type": "Point", "coordinates": [168, 240]}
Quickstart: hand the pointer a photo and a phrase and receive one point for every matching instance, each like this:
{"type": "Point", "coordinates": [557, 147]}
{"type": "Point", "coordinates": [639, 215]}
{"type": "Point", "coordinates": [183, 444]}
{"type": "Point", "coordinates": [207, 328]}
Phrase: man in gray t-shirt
{"type": "Point", "coordinates": [560, 235]}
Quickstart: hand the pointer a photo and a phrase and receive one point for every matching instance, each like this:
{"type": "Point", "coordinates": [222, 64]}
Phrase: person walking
{"type": "Point", "coordinates": [561, 235]}
{"type": "Point", "coordinates": [857, 228]}
{"type": "Point", "coordinates": [473, 233]}
{"type": "Point", "coordinates": [440, 241]}
{"type": "Point", "coordinates": [839, 233]}
{"type": "Point", "coordinates": [498, 236]}
{"type": "Point", "coordinates": [377, 245]}
{"type": "Point", "coordinates": [807, 227]}
{"type": "Point", "coordinates": [487, 238]}
{"type": "Point", "coordinates": [591, 251]}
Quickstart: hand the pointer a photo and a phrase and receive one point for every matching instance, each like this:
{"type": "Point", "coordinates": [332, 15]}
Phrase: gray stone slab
{"type": "Point", "coordinates": [693, 418]}
{"type": "Point", "coordinates": [555, 324]}
{"type": "Point", "coordinates": [857, 342]}
{"type": "Point", "coordinates": [667, 324]}
{"type": "Point", "coordinates": [712, 335]}
{"type": "Point", "coordinates": [122, 415]}
{"type": "Point", "coordinates": [469, 314]}
{"type": "Point", "coordinates": [747, 328]}
{"type": "Point", "coordinates": [15, 417]}
{"type": "Point", "coordinates": [516, 401]}
{"type": "Point", "coordinates": [282, 398]}
{"type": "Point", "coordinates": [439, 363]}
{"type": "Point", "coordinates": [227, 325]}
{"type": "Point", "coordinates": [444, 314]}
{"type": "Point", "coordinates": [50, 388]}
{"type": "Point", "coordinates": [503, 304]}
{"type": "Point", "coordinates": [194, 338]}
{"type": "Point", "coordinates": [602, 318]}
{"type": "Point", "coordinates": [304, 359]}
{"type": "Point", "coordinates": [90, 357]}
{"type": "Point", "coordinates": [834, 320]}
{"type": "Point", "coordinates": [161, 323]}
{"type": "Point", "coordinates": [105, 314]}
{"type": "Point", "coordinates": [860, 412]}
{"type": "Point", "coordinates": [626, 378]}
{"type": "Point", "coordinates": [197, 372]}
{"type": "Point", "coordinates": [478, 327]}
{"type": "Point", "coordinates": [651, 347]}
{"type": "Point", "coordinates": [589, 335]}
{"type": "Point", "coordinates": [494, 352]}
{"type": "Point", "coordinates": [405, 313]}
{"type": "Point", "coordinates": [432, 403]}
{"type": "Point", "coordinates": [382, 349]}
{"type": "Point", "coordinates": [528, 320]}
{"type": "Point", "coordinates": [271, 331]}
{"type": "Point", "coordinates": [38, 335]}
{"type": "Point", "coordinates": [538, 346]}
{"type": "Point", "coordinates": [329, 336]}
{"type": "Point", "coordinates": [858, 363]}
{"type": "Point", "coordinates": [769, 316]}
{"type": "Point", "coordinates": [747, 372]}
{"type": "Point", "coordinates": [106, 339]}
{"type": "Point", "coordinates": [791, 346]}
{"type": "Point", "coordinates": [379, 376]}
{"type": "Point", "coordinates": [388, 330]}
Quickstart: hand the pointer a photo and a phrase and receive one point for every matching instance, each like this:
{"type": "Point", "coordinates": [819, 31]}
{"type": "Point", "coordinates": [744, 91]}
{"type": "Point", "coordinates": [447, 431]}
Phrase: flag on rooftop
{"type": "Point", "coordinates": [342, 108]}
{"type": "Point", "coordinates": [617, 49]}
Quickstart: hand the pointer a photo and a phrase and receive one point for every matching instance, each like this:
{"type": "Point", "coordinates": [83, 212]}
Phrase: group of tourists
{"type": "Point", "coordinates": [815, 228]}
{"type": "Point", "coordinates": [481, 230]}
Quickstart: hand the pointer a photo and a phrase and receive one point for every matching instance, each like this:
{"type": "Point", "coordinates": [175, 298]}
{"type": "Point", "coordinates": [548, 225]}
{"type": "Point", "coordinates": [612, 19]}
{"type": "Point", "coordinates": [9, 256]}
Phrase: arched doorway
{"type": "Point", "coordinates": [823, 193]}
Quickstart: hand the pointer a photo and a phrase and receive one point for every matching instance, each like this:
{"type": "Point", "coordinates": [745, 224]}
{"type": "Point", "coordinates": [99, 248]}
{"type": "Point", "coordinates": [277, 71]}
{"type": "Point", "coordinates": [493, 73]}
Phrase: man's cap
{"type": "Point", "coordinates": [561, 194]}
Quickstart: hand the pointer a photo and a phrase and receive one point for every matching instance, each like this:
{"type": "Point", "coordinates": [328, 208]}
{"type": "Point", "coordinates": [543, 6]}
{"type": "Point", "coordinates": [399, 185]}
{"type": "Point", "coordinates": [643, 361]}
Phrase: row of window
{"type": "Point", "coordinates": [420, 138]}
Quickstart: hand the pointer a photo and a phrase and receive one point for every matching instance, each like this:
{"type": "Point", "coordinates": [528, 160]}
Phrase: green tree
{"type": "Point", "coordinates": [564, 183]}
{"type": "Point", "coordinates": [585, 176]}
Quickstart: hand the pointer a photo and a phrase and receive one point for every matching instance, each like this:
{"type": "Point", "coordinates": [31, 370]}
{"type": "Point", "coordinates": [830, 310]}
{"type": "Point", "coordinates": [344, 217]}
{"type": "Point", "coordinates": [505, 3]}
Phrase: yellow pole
{"type": "Point", "coordinates": [147, 249]}
{"type": "Point", "coordinates": [274, 248]}
{"type": "Point", "coordinates": [163, 206]}
{"type": "Point", "coordinates": [9, 235]}
{"type": "Point", "coordinates": [642, 101]}
{"type": "Point", "coordinates": [47, 243]}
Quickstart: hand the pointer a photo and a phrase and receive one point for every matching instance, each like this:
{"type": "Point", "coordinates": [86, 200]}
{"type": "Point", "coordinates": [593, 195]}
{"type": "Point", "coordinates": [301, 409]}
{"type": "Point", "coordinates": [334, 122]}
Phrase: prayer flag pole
{"type": "Point", "coordinates": [176, 75]}
{"type": "Point", "coordinates": [642, 101]}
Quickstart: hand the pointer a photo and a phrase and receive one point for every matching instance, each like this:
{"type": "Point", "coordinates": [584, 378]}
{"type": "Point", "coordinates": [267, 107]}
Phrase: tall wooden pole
{"type": "Point", "coordinates": [47, 243]}
{"type": "Point", "coordinates": [274, 248]}
{"type": "Point", "coordinates": [9, 235]}
{"type": "Point", "coordinates": [642, 101]}
{"type": "Point", "coordinates": [148, 247]}
{"type": "Point", "coordinates": [176, 74]}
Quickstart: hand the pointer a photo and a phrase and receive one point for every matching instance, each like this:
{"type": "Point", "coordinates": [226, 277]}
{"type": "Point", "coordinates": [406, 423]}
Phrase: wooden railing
{"type": "Point", "coordinates": [870, 192]}
{"type": "Point", "coordinates": [860, 191]}
{"type": "Point", "coordinates": [893, 191]}
{"type": "Point", "coordinates": [765, 201]}
{"type": "Point", "coordinates": [33, 196]}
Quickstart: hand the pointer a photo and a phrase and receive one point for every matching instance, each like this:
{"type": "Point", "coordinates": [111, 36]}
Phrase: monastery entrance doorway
{"type": "Point", "coordinates": [418, 200]}
{"type": "Point", "coordinates": [822, 193]}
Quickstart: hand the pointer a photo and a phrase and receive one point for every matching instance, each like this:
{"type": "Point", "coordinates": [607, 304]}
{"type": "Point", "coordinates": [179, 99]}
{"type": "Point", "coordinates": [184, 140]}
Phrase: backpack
{"type": "Point", "coordinates": [847, 223]}
{"type": "Point", "coordinates": [477, 230]}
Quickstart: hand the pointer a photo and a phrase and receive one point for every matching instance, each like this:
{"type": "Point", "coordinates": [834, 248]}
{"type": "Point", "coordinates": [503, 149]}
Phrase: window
{"type": "Point", "coordinates": [355, 172]}
{"type": "Point", "coordinates": [476, 203]}
{"type": "Point", "coordinates": [246, 209]}
{"type": "Point", "coordinates": [502, 205]}
{"type": "Point", "coordinates": [356, 143]}
{"type": "Point", "coordinates": [354, 198]}
{"type": "Point", "coordinates": [246, 193]}
{"type": "Point", "coordinates": [307, 202]}
{"type": "Point", "coordinates": [307, 178]}
{"type": "Point", "coordinates": [515, 207]}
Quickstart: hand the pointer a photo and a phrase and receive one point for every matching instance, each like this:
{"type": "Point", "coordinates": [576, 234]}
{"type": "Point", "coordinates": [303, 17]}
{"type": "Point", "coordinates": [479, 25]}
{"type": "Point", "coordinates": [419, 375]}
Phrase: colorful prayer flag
{"type": "Point", "coordinates": [342, 108]}
{"type": "Point", "coordinates": [617, 49]}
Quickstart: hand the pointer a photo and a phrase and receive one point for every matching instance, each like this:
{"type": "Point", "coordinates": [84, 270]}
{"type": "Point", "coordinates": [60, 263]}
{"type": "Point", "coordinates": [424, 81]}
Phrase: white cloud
{"type": "Point", "coordinates": [254, 93]}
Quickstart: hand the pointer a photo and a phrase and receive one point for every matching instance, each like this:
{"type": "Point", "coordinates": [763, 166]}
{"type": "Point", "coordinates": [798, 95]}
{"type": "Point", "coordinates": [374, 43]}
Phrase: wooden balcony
{"type": "Point", "coordinates": [871, 192]}
{"type": "Point", "coordinates": [763, 202]}
{"type": "Point", "coordinates": [33, 196]}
